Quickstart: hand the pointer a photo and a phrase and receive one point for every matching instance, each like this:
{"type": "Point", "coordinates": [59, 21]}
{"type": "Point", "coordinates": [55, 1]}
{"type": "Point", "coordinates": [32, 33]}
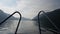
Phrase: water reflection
{"type": "Point", "coordinates": [26, 27]}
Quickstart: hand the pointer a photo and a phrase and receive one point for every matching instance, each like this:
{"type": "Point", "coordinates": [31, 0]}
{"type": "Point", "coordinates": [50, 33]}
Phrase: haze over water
{"type": "Point", "coordinates": [26, 27]}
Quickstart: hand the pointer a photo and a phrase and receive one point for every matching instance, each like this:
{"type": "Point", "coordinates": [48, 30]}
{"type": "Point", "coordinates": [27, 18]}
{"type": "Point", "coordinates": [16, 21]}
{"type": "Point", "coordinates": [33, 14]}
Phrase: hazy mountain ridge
{"type": "Point", "coordinates": [23, 18]}
{"type": "Point", "coordinates": [49, 14]}
{"type": "Point", "coordinates": [5, 15]}
{"type": "Point", "coordinates": [54, 16]}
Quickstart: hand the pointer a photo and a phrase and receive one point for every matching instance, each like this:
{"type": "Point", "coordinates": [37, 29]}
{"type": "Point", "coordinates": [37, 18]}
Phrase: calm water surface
{"type": "Point", "coordinates": [26, 27]}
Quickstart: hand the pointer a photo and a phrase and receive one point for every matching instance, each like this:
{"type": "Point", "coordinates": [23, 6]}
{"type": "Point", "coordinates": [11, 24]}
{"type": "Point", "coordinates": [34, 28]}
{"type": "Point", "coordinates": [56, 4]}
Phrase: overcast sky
{"type": "Point", "coordinates": [28, 8]}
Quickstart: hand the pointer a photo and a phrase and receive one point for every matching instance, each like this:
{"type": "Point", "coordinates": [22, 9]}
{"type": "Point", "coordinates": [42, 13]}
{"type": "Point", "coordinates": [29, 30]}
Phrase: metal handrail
{"type": "Point", "coordinates": [18, 22]}
{"type": "Point", "coordinates": [48, 19]}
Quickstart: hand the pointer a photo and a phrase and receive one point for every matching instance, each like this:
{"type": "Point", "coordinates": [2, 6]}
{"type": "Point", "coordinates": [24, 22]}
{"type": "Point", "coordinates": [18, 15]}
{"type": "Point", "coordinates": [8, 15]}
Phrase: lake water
{"type": "Point", "coordinates": [26, 27]}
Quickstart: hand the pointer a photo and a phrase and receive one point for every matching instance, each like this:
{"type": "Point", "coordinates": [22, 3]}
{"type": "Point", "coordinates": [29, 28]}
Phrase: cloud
{"type": "Point", "coordinates": [29, 7]}
{"type": "Point", "coordinates": [32, 7]}
{"type": "Point", "coordinates": [8, 6]}
{"type": "Point", "coordinates": [8, 2]}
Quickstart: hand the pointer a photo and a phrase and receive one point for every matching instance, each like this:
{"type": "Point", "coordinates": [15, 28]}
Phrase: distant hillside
{"type": "Point", "coordinates": [23, 18]}
{"type": "Point", "coordinates": [53, 15]}
{"type": "Point", "coordinates": [5, 15]}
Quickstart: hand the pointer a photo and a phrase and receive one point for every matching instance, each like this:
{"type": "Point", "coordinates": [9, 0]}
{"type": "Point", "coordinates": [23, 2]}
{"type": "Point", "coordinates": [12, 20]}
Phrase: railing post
{"type": "Point", "coordinates": [18, 22]}
{"type": "Point", "coordinates": [48, 19]}
{"type": "Point", "coordinates": [39, 23]}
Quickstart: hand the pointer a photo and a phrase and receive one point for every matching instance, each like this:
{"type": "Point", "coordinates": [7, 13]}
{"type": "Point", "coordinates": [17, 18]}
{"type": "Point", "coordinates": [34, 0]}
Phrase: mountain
{"type": "Point", "coordinates": [54, 16]}
{"type": "Point", "coordinates": [23, 18]}
{"type": "Point", "coordinates": [5, 15]}
{"type": "Point", "coordinates": [12, 19]}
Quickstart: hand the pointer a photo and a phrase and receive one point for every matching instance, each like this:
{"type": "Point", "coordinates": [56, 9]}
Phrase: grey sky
{"type": "Point", "coordinates": [29, 8]}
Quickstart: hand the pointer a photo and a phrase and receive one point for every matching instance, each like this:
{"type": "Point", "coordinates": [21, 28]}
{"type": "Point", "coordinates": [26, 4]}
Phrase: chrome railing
{"type": "Point", "coordinates": [38, 21]}
{"type": "Point", "coordinates": [48, 19]}
{"type": "Point", "coordinates": [18, 22]}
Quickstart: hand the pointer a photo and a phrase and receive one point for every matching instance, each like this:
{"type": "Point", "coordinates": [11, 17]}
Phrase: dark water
{"type": "Point", "coordinates": [26, 27]}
